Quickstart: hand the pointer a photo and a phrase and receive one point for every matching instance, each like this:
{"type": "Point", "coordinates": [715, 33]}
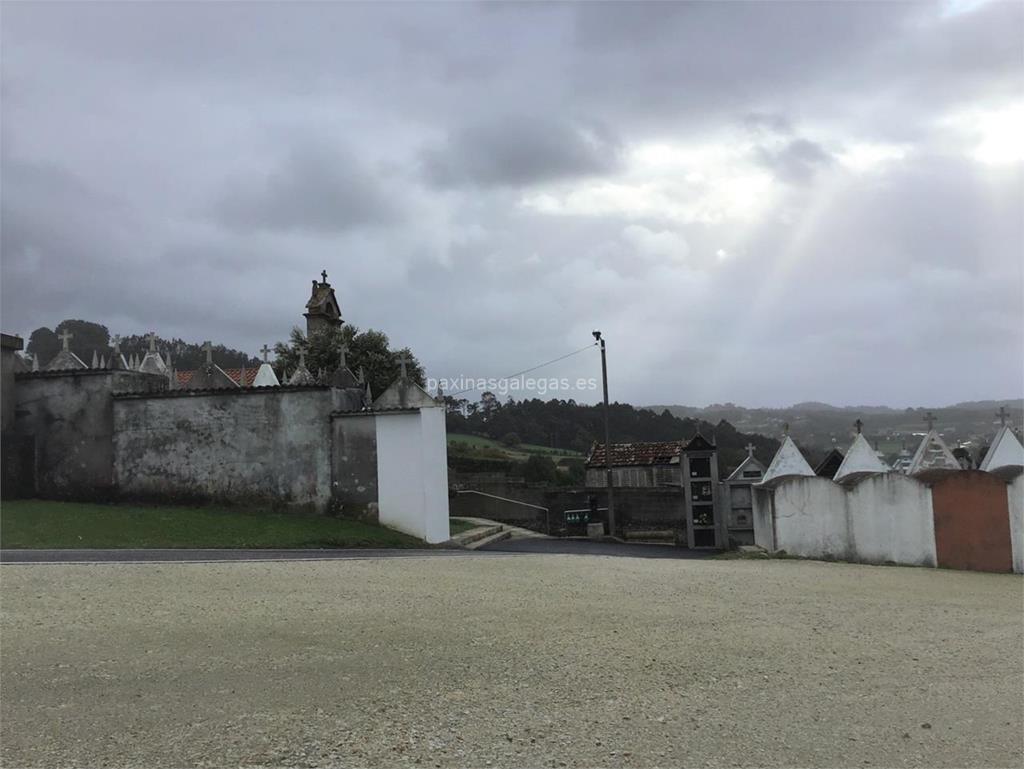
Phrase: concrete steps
{"type": "Point", "coordinates": [482, 535]}
{"type": "Point", "coordinates": [496, 536]}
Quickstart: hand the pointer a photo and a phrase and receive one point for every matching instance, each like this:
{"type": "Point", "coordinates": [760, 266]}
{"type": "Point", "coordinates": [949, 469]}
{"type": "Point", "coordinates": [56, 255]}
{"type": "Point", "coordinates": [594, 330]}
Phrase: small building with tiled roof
{"type": "Point", "coordinates": [184, 378]}
{"type": "Point", "coordinates": [636, 465]}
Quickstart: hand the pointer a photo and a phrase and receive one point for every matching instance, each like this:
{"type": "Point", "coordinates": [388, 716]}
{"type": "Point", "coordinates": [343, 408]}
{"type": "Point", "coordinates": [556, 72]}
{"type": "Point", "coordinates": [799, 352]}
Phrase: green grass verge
{"type": "Point", "coordinates": [53, 525]}
{"type": "Point", "coordinates": [457, 526]}
{"type": "Point", "coordinates": [519, 451]}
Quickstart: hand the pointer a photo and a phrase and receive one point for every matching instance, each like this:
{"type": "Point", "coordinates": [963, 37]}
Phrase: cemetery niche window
{"type": "Point", "coordinates": [703, 515]}
{"type": "Point", "coordinates": [701, 492]}
{"type": "Point", "coordinates": [700, 467]}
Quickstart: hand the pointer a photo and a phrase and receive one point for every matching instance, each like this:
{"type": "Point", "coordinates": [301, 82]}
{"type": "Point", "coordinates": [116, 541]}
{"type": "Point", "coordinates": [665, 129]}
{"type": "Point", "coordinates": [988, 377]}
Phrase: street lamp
{"type": "Point", "coordinates": [607, 438]}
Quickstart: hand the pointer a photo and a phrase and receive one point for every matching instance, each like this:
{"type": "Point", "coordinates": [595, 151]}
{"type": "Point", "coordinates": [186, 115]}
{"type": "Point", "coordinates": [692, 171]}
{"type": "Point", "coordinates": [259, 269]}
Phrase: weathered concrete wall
{"type": "Point", "coordinates": [354, 465]}
{"type": "Point", "coordinates": [972, 522]}
{"type": "Point", "coordinates": [258, 446]}
{"type": "Point", "coordinates": [412, 472]}
{"type": "Point", "coordinates": [1015, 500]}
{"type": "Point", "coordinates": [891, 520]}
{"type": "Point", "coordinates": [8, 346]}
{"type": "Point", "coordinates": [811, 518]}
{"type": "Point", "coordinates": [70, 415]}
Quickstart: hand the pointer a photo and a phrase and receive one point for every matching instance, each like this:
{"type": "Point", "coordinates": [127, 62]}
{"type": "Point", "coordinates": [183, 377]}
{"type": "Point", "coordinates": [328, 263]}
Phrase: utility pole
{"type": "Point", "coordinates": [607, 438]}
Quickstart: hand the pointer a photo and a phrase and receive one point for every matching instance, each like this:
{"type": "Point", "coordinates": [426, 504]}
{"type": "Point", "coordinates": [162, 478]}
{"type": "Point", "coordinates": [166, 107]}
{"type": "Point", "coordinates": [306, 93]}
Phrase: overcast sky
{"type": "Point", "coordinates": [759, 203]}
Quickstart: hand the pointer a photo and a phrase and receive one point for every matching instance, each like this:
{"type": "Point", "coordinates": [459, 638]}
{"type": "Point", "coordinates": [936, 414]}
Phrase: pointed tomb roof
{"type": "Point", "coordinates": [932, 454]}
{"type": "Point", "coordinates": [698, 443]}
{"type": "Point", "coordinates": [66, 360]}
{"type": "Point", "coordinates": [860, 461]}
{"type": "Point", "coordinates": [301, 375]}
{"type": "Point", "coordinates": [404, 393]}
{"type": "Point", "coordinates": [209, 376]}
{"type": "Point", "coordinates": [750, 469]}
{"type": "Point", "coordinates": [828, 467]}
{"type": "Point", "coordinates": [343, 376]}
{"type": "Point", "coordinates": [1005, 451]}
{"type": "Point", "coordinates": [265, 376]}
{"type": "Point", "coordinates": [117, 360]}
{"type": "Point", "coordinates": [152, 363]}
{"type": "Point", "coordinates": [788, 462]}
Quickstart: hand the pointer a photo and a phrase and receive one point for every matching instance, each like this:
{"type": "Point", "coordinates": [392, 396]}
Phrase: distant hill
{"type": "Point", "coordinates": [819, 426]}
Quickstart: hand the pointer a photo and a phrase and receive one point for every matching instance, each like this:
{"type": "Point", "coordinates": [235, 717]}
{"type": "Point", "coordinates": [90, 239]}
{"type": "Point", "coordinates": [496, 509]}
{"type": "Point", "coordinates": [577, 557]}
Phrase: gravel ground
{"type": "Point", "coordinates": [510, 661]}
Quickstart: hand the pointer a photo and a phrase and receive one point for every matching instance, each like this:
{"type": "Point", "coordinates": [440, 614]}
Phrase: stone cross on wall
{"type": "Point", "coordinates": [302, 357]}
{"type": "Point", "coordinates": [930, 419]}
{"type": "Point", "coordinates": [342, 356]}
{"type": "Point", "coordinates": [208, 348]}
{"type": "Point", "coordinates": [750, 449]}
{"type": "Point", "coordinates": [403, 362]}
{"type": "Point", "coordinates": [152, 341]}
{"type": "Point", "coordinates": [65, 338]}
{"type": "Point", "coordinates": [1002, 414]}
{"type": "Point", "coordinates": [785, 428]}
{"type": "Point", "coordinates": [858, 425]}
{"type": "Point", "coordinates": [266, 351]}
{"type": "Point", "coordinates": [117, 344]}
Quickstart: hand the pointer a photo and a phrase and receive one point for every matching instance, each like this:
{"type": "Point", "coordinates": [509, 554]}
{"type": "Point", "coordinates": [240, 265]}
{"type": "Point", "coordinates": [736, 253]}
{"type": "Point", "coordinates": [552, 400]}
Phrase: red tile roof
{"type": "Point", "coordinates": [184, 377]}
{"type": "Point", "coordinates": [632, 454]}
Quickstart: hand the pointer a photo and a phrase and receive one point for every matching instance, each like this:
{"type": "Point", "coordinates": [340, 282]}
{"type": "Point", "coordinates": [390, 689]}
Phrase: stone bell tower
{"type": "Point", "coordinates": [322, 309]}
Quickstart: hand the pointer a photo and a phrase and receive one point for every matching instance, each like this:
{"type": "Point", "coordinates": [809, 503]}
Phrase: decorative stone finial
{"type": "Point", "coordinates": [858, 426]}
{"type": "Point", "coordinates": [1002, 414]}
{"type": "Point", "coordinates": [785, 428]}
{"type": "Point", "coordinates": [208, 348]}
{"type": "Point", "coordinates": [95, 360]}
{"type": "Point", "coordinates": [929, 418]}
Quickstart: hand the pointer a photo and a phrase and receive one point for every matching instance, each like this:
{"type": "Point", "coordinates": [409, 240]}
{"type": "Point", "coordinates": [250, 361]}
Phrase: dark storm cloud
{"type": "Point", "coordinates": [521, 150]}
{"type": "Point", "coordinates": [601, 164]}
{"type": "Point", "coordinates": [316, 188]}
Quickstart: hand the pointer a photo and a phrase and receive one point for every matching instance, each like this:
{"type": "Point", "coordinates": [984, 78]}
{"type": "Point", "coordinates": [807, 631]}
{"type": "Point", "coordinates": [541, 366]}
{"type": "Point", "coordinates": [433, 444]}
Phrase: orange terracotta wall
{"type": "Point", "coordinates": [972, 522]}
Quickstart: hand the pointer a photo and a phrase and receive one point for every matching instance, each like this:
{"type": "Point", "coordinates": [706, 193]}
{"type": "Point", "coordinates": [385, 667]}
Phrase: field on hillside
{"type": "Point", "coordinates": [518, 452]}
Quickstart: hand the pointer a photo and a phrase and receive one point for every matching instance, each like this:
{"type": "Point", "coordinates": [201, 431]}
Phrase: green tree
{"type": "Point", "coordinates": [87, 337]}
{"type": "Point", "coordinates": [369, 349]}
{"type": "Point", "coordinates": [511, 439]}
{"type": "Point", "coordinates": [539, 468]}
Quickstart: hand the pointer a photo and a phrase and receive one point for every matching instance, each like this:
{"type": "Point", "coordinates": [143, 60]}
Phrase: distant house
{"type": "Point", "coordinates": [636, 465]}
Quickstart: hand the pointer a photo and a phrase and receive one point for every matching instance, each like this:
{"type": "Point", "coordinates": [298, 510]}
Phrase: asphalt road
{"type": "Point", "coordinates": [509, 546]}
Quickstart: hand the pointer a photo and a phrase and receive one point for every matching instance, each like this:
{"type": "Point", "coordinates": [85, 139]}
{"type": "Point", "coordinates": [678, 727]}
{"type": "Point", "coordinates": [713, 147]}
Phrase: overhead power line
{"type": "Point", "coordinates": [532, 368]}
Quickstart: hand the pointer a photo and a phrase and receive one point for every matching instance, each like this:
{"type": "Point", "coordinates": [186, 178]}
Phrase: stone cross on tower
{"type": "Point", "coordinates": [750, 449]}
{"type": "Point", "coordinates": [65, 338]}
{"type": "Point", "coordinates": [403, 362]}
{"type": "Point", "coordinates": [1002, 414]}
{"type": "Point", "coordinates": [266, 351]}
{"type": "Point", "coordinates": [208, 348]}
{"type": "Point", "coordinates": [858, 425]}
{"type": "Point", "coordinates": [930, 419]}
{"type": "Point", "coordinates": [323, 274]}
{"type": "Point", "coordinates": [342, 356]}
